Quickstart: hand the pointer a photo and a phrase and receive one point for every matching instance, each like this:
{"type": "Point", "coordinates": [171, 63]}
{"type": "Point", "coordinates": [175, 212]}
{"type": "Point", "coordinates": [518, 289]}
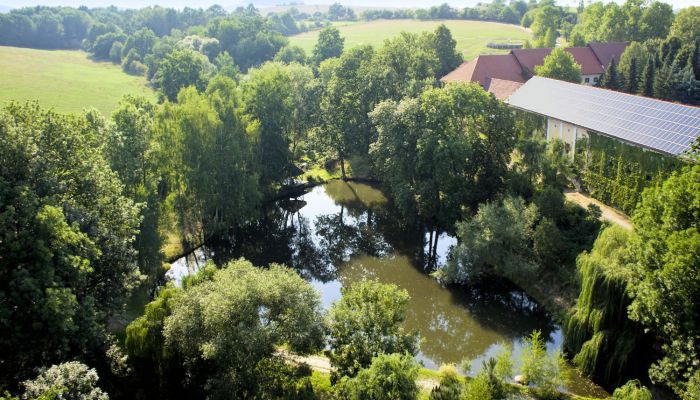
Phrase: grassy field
{"type": "Point", "coordinates": [471, 36]}
{"type": "Point", "coordinates": [65, 80]}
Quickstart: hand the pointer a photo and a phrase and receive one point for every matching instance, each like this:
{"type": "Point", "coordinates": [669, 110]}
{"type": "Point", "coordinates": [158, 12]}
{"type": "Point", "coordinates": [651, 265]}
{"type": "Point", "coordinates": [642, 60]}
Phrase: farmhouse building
{"type": "Point", "coordinates": [519, 65]}
{"type": "Point", "coordinates": [575, 112]}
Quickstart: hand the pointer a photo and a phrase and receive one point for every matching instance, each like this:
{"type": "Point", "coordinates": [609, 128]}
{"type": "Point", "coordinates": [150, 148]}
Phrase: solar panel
{"type": "Point", "coordinates": [658, 125]}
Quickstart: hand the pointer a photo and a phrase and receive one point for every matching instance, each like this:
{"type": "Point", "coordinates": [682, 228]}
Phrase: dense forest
{"type": "Point", "coordinates": [91, 204]}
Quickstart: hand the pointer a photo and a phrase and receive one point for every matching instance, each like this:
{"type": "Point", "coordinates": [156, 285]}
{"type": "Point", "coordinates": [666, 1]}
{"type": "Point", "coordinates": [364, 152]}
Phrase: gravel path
{"type": "Point", "coordinates": [609, 213]}
{"type": "Point", "coordinates": [323, 364]}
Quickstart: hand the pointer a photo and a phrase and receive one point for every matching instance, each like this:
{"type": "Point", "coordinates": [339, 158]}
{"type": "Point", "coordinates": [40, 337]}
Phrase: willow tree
{"type": "Point", "coordinates": [599, 334]}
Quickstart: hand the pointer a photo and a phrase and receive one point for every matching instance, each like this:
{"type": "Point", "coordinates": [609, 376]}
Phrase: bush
{"type": "Point", "coordinates": [692, 390]}
{"type": "Point", "coordinates": [478, 388]}
{"type": "Point", "coordinates": [390, 377]}
{"type": "Point", "coordinates": [544, 372]}
{"type": "Point", "coordinates": [450, 387]}
{"type": "Point", "coordinates": [67, 381]}
{"type": "Point", "coordinates": [115, 52]}
{"type": "Point", "coordinates": [365, 322]}
{"type": "Point", "coordinates": [632, 390]}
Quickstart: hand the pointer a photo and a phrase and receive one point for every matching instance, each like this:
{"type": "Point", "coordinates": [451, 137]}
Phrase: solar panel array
{"type": "Point", "coordinates": [658, 125]}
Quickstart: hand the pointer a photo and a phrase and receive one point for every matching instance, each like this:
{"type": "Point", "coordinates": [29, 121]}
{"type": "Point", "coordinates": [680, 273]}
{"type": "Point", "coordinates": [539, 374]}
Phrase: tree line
{"type": "Point", "coordinates": [666, 70]}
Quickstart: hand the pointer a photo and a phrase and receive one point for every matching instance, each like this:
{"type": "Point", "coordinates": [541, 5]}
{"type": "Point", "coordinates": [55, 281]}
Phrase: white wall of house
{"type": "Point", "coordinates": [589, 80]}
{"type": "Point", "coordinates": [567, 133]}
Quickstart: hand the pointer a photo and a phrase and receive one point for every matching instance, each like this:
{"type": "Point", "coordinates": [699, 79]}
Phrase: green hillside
{"type": "Point", "coordinates": [64, 79]}
{"type": "Point", "coordinates": [471, 36]}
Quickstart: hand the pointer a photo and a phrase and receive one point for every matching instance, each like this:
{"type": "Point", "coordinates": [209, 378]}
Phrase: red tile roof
{"type": "Point", "coordinates": [502, 89]}
{"type": "Point", "coordinates": [607, 51]}
{"type": "Point", "coordinates": [483, 68]}
{"type": "Point", "coordinates": [529, 58]}
{"type": "Point", "coordinates": [584, 56]}
{"type": "Point", "coordinates": [519, 65]}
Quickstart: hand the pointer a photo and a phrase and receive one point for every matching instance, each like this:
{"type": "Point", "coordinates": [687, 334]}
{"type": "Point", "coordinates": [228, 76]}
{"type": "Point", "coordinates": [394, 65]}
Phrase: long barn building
{"type": "Point", "coordinates": [576, 111]}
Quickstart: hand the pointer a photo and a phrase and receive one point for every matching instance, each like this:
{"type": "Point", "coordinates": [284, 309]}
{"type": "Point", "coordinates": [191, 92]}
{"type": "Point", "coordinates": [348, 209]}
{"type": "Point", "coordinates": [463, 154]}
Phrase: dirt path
{"type": "Point", "coordinates": [609, 213]}
{"type": "Point", "coordinates": [323, 364]}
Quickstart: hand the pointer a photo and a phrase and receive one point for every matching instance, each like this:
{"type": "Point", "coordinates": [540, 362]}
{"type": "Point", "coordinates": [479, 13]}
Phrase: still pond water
{"type": "Point", "coordinates": [345, 232]}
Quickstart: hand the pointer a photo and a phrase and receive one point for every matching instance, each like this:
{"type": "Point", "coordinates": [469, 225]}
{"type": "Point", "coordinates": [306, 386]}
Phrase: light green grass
{"type": "Point", "coordinates": [471, 36]}
{"type": "Point", "coordinates": [66, 80]}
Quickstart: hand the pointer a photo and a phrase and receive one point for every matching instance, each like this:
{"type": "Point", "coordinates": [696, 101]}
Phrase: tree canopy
{"type": "Point", "coordinates": [560, 64]}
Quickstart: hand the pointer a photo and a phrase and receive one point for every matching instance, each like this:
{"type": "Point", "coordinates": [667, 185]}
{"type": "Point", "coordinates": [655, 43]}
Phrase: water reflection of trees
{"type": "Point", "coordinates": [366, 239]}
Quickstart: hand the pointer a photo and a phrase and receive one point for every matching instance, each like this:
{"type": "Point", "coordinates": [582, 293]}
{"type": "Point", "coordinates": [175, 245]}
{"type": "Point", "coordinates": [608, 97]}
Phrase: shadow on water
{"type": "Point", "coordinates": [343, 232]}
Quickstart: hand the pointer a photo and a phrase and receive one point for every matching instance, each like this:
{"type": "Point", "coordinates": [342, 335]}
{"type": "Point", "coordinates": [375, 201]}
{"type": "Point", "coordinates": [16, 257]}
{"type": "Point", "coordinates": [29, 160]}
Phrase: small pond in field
{"type": "Point", "coordinates": [344, 232]}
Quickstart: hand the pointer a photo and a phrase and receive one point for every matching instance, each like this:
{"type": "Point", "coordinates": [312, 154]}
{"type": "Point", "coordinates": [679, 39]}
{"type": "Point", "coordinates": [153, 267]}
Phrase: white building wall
{"type": "Point", "coordinates": [567, 133]}
{"type": "Point", "coordinates": [589, 80]}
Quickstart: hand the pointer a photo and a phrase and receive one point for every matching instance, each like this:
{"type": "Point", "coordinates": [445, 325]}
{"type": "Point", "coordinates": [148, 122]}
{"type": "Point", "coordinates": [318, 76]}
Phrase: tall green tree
{"type": "Point", "coordinates": [666, 259]}
{"type": "Point", "coordinates": [67, 233]}
{"type": "Point", "coordinates": [560, 64]}
{"type": "Point", "coordinates": [610, 78]}
{"type": "Point", "coordinates": [445, 47]}
{"type": "Point", "coordinates": [181, 69]}
{"type": "Point", "coordinates": [686, 24]}
{"type": "Point", "coordinates": [328, 45]}
{"type": "Point", "coordinates": [267, 99]}
{"type": "Point", "coordinates": [345, 103]}
{"type": "Point", "coordinates": [130, 152]}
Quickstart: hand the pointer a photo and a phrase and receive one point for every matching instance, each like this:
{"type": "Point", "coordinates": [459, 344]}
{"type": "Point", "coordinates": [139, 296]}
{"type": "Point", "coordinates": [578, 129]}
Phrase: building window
{"type": "Point", "coordinates": [588, 80]}
{"type": "Point", "coordinates": [595, 79]}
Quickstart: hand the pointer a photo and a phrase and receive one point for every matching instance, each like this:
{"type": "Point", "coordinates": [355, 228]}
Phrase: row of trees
{"type": "Point", "coordinates": [668, 70]}
{"type": "Point", "coordinates": [67, 27]}
{"type": "Point", "coordinates": [639, 291]}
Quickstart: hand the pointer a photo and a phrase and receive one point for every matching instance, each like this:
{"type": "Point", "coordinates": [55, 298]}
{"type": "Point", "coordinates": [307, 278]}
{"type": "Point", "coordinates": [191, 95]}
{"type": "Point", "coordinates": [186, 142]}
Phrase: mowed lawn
{"type": "Point", "coordinates": [66, 80]}
{"type": "Point", "coordinates": [471, 36]}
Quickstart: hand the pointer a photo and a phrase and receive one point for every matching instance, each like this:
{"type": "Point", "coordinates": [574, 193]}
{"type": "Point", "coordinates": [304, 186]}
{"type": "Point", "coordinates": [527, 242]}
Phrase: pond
{"type": "Point", "coordinates": [344, 232]}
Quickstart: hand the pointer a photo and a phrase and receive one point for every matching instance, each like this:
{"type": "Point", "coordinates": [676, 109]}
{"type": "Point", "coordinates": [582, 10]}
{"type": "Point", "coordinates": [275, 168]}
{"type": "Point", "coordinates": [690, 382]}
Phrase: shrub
{"type": "Point", "coordinates": [544, 372]}
{"type": "Point", "coordinates": [390, 377]}
{"type": "Point", "coordinates": [368, 321]}
{"type": "Point", "coordinates": [68, 381]}
{"type": "Point", "coordinates": [632, 390]}
{"type": "Point", "coordinates": [450, 387]}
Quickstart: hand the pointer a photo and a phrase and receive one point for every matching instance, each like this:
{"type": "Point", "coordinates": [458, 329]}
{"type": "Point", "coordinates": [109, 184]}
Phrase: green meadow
{"type": "Point", "coordinates": [471, 36]}
{"type": "Point", "coordinates": [66, 80]}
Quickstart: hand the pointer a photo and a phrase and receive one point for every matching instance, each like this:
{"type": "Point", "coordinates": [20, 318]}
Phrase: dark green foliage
{"type": "Point", "coordinates": [420, 151]}
{"type": "Point", "coordinates": [389, 377]}
{"type": "Point", "coordinates": [610, 79]}
{"type": "Point", "coordinates": [366, 322]}
{"type": "Point", "coordinates": [67, 235]}
{"type": "Point", "coordinates": [444, 45]}
{"type": "Point", "coordinates": [666, 257]}
{"type": "Point", "coordinates": [450, 387]}
{"type": "Point", "coordinates": [646, 83]}
{"type": "Point", "coordinates": [616, 173]}
{"type": "Point", "coordinates": [181, 69]}
{"type": "Point", "coordinates": [329, 45]}
{"type": "Point", "coordinates": [603, 341]}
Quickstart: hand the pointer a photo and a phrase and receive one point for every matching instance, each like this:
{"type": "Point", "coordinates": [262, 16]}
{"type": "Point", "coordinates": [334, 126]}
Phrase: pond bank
{"type": "Point", "coordinates": [344, 232]}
